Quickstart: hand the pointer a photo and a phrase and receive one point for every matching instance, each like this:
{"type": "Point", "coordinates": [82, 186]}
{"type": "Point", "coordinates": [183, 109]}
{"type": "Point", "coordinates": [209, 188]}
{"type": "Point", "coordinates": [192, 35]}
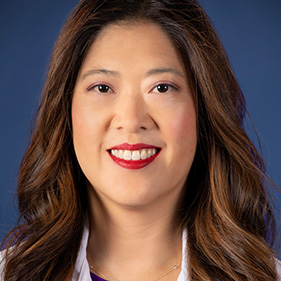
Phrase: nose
{"type": "Point", "coordinates": [131, 114]}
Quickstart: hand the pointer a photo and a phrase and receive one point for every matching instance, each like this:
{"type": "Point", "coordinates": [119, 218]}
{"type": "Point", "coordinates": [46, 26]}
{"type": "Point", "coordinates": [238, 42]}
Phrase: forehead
{"type": "Point", "coordinates": [137, 30]}
{"type": "Point", "coordinates": [133, 43]}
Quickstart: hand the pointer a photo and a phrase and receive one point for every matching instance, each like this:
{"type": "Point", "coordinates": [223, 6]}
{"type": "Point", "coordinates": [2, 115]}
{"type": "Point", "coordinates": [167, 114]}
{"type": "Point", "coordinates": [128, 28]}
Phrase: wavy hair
{"type": "Point", "coordinates": [225, 209]}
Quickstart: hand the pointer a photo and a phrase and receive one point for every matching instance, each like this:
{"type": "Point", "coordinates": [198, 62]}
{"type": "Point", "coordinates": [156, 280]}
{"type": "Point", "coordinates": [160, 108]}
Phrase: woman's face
{"type": "Point", "coordinates": [133, 116]}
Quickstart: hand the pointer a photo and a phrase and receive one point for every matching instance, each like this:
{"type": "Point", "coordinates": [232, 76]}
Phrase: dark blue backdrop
{"type": "Point", "coordinates": [251, 34]}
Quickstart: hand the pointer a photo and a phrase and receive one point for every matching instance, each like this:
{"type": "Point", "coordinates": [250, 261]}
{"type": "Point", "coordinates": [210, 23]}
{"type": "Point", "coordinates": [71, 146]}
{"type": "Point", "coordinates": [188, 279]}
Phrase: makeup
{"type": "Point", "coordinates": [133, 156]}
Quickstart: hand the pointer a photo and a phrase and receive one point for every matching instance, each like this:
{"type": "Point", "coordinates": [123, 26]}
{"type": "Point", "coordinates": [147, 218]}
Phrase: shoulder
{"type": "Point", "coordinates": [81, 270]}
{"type": "Point", "coordinates": [278, 268]}
{"type": "Point", "coordinates": [2, 264]}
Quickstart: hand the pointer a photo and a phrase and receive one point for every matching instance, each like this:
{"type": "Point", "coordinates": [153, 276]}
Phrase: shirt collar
{"type": "Point", "coordinates": [82, 271]}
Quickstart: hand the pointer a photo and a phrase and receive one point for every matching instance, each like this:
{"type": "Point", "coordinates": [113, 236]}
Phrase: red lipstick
{"type": "Point", "coordinates": [133, 164]}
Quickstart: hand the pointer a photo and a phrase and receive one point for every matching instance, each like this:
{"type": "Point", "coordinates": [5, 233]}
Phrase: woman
{"type": "Point", "coordinates": [139, 167]}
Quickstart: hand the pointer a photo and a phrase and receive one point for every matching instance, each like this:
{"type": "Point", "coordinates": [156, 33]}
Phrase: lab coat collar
{"type": "Point", "coordinates": [82, 271]}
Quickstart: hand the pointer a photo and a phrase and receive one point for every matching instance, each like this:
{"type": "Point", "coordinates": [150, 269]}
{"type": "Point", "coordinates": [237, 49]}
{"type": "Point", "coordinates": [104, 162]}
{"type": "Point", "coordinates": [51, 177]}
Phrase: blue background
{"type": "Point", "coordinates": [250, 31]}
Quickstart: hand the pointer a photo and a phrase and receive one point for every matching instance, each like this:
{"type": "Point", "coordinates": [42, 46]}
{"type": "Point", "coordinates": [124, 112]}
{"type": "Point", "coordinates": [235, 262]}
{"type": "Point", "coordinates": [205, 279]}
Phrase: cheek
{"type": "Point", "coordinates": [80, 121]}
{"type": "Point", "coordinates": [86, 129]}
{"type": "Point", "coordinates": [84, 126]}
{"type": "Point", "coordinates": [182, 125]}
{"type": "Point", "coordinates": [86, 120]}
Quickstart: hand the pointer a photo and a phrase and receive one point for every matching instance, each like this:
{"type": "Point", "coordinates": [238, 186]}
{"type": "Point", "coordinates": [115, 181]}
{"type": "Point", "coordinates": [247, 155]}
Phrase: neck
{"type": "Point", "coordinates": [128, 242]}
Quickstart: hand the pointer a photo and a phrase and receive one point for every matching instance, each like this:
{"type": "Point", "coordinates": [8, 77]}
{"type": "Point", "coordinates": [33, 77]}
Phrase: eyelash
{"type": "Point", "coordinates": [91, 88]}
{"type": "Point", "coordinates": [166, 85]}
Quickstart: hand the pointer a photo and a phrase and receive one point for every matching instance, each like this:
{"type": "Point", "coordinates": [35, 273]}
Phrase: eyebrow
{"type": "Point", "coordinates": [163, 70]}
{"type": "Point", "coordinates": [99, 71]}
{"type": "Point", "coordinates": [150, 72]}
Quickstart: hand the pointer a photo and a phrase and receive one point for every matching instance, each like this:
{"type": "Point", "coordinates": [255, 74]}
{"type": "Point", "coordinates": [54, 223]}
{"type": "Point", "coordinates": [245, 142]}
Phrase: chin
{"type": "Point", "coordinates": [135, 200]}
{"type": "Point", "coordinates": [129, 198]}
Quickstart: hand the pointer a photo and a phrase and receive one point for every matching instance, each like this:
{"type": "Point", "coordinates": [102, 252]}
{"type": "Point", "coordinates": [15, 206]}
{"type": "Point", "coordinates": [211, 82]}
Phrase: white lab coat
{"type": "Point", "coordinates": [82, 272]}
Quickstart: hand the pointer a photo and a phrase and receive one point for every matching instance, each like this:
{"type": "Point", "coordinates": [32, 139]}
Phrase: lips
{"type": "Point", "coordinates": [133, 156]}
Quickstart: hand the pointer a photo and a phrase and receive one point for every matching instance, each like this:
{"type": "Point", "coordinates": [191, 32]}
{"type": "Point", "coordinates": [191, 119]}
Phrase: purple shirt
{"type": "Point", "coordinates": [96, 278]}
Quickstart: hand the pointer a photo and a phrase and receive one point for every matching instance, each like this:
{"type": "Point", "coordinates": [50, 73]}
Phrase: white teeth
{"type": "Point", "coordinates": [133, 155]}
{"type": "Point", "coordinates": [127, 155]}
{"type": "Point", "coordinates": [143, 154]}
{"type": "Point", "coordinates": [136, 155]}
{"type": "Point", "coordinates": [119, 154]}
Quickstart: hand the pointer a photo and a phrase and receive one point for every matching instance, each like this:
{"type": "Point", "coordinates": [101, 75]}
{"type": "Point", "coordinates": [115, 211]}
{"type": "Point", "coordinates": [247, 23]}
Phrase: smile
{"type": "Point", "coordinates": [135, 156]}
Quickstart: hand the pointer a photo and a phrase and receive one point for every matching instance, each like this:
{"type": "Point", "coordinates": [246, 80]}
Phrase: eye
{"type": "Point", "coordinates": [164, 88]}
{"type": "Point", "coordinates": [101, 88]}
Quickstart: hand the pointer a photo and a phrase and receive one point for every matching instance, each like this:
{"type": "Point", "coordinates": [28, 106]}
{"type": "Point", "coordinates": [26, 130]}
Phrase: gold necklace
{"type": "Point", "coordinates": [111, 279]}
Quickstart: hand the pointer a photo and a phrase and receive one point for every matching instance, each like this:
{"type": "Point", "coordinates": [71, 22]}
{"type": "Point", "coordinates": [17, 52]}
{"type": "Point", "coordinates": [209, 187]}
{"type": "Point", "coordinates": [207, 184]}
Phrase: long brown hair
{"type": "Point", "coordinates": [225, 207]}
